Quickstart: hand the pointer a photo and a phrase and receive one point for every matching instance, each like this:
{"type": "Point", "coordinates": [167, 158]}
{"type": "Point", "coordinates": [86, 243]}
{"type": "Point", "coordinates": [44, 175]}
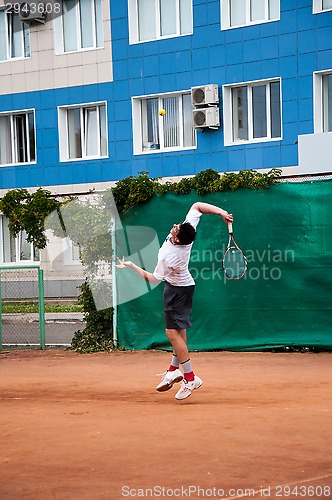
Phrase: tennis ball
{"type": "Point", "coordinates": [162, 112]}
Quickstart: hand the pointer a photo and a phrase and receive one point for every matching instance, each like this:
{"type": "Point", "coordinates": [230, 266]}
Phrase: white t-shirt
{"type": "Point", "coordinates": [173, 260]}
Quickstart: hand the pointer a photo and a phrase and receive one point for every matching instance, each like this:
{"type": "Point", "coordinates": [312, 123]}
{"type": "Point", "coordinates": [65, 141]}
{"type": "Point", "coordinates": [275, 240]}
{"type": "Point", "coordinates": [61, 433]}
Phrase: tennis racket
{"type": "Point", "coordinates": [234, 262]}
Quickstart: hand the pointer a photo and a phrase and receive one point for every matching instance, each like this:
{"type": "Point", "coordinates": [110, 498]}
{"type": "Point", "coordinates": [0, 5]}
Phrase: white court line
{"type": "Point", "coordinates": [281, 486]}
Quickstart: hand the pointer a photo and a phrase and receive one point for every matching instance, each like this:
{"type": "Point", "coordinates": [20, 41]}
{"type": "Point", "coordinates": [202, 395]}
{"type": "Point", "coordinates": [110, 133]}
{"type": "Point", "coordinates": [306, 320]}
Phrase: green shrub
{"type": "Point", "coordinates": [98, 332]}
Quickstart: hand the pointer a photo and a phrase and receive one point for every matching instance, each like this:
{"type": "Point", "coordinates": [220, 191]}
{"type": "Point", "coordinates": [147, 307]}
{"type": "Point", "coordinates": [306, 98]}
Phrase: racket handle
{"type": "Point", "coordinates": [230, 227]}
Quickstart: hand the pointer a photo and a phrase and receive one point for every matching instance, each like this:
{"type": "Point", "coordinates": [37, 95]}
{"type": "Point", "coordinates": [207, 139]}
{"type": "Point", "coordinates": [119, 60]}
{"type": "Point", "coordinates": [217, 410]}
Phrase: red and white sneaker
{"type": "Point", "coordinates": [188, 387]}
{"type": "Point", "coordinates": [169, 378]}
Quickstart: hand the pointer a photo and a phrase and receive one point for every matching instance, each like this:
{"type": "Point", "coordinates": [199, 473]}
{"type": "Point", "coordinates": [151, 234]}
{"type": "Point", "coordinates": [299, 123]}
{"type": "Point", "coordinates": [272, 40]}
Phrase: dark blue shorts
{"type": "Point", "coordinates": [178, 306]}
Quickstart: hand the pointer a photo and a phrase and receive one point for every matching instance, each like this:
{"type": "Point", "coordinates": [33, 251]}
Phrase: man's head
{"type": "Point", "coordinates": [184, 233]}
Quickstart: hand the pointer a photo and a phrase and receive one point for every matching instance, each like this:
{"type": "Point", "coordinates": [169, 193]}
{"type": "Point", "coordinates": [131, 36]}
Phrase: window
{"type": "Point", "coordinates": [155, 19]}
{"type": "Point", "coordinates": [253, 112]}
{"type": "Point", "coordinates": [323, 101]}
{"type": "Point", "coordinates": [14, 37]}
{"type": "Point", "coordinates": [327, 102]}
{"type": "Point", "coordinates": [80, 26]}
{"type": "Point", "coordinates": [71, 252]}
{"type": "Point", "coordinates": [236, 13]}
{"type": "Point", "coordinates": [83, 132]}
{"type": "Point", "coordinates": [17, 137]}
{"type": "Point", "coordinates": [15, 250]}
{"type": "Point", "coordinates": [321, 5]}
{"type": "Point", "coordinates": [154, 132]}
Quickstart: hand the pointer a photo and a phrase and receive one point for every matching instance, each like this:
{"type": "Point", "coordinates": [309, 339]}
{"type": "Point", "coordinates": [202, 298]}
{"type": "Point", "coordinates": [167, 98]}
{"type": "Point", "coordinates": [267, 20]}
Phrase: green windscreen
{"type": "Point", "coordinates": [285, 298]}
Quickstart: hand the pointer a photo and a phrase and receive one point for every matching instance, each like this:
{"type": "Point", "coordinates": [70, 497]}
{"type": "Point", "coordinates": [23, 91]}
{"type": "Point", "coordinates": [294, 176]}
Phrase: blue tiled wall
{"type": "Point", "coordinates": [292, 48]}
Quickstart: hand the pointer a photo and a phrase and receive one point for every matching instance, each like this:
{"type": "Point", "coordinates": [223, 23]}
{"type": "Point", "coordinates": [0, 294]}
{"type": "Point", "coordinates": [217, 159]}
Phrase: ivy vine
{"type": "Point", "coordinates": [26, 211]}
{"type": "Point", "coordinates": [133, 191]}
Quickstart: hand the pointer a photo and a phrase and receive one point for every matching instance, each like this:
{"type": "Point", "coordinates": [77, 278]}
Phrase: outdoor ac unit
{"type": "Point", "coordinates": [205, 95]}
{"type": "Point", "coordinates": [206, 117]}
{"type": "Point", "coordinates": [32, 11]}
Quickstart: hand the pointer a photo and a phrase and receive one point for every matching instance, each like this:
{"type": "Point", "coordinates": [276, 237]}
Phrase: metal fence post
{"type": "Point", "coordinates": [114, 290]}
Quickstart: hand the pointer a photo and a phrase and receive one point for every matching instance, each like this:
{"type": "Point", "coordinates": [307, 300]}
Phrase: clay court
{"type": "Point", "coordinates": [93, 427]}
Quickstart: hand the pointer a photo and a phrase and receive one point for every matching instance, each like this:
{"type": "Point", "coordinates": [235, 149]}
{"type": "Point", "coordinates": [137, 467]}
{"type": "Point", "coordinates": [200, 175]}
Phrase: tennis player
{"type": "Point", "coordinates": [172, 268]}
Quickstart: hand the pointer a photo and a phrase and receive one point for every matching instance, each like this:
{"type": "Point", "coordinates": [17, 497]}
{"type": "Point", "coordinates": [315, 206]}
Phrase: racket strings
{"type": "Point", "coordinates": [234, 263]}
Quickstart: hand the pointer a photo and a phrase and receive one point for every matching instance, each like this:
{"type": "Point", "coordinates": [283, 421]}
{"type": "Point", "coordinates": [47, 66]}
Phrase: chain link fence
{"type": "Point", "coordinates": [38, 309]}
{"type": "Point", "coordinates": [22, 307]}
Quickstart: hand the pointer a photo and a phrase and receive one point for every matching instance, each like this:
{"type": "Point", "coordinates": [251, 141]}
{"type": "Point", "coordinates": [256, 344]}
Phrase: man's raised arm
{"type": "Point", "coordinates": [207, 208]}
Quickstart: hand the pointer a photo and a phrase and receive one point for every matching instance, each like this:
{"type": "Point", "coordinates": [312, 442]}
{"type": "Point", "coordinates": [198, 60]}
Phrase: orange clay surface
{"type": "Point", "coordinates": [93, 427]}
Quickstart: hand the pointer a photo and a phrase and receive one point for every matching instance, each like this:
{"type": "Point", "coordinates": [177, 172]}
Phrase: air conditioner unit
{"type": "Point", "coordinates": [205, 95]}
{"type": "Point", "coordinates": [206, 117]}
{"type": "Point", "coordinates": [32, 11]}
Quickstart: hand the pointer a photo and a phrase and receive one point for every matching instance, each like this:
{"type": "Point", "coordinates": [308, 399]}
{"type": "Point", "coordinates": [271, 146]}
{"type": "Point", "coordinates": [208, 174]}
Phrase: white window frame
{"type": "Point", "coordinates": [63, 131]}
{"type": "Point", "coordinates": [318, 7]}
{"type": "Point", "coordinates": [225, 9]}
{"type": "Point", "coordinates": [138, 124]}
{"type": "Point", "coordinates": [25, 50]}
{"type": "Point", "coordinates": [18, 240]}
{"type": "Point", "coordinates": [14, 136]}
{"type": "Point", "coordinates": [319, 126]}
{"type": "Point", "coordinates": [228, 113]}
{"type": "Point", "coordinates": [59, 33]}
{"type": "Point", "coordinates": [134, 23]}
{"type": "Point", "coordinates": [69, 250]}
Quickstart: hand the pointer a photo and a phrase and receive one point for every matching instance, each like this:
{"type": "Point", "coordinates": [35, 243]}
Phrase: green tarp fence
{"type": "Point", "coordinates": [285, 297]}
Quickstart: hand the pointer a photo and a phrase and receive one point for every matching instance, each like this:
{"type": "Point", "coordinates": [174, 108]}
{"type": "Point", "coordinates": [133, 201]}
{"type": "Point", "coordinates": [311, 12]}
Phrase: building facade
{"type": "Point", "coordinates": [92, 91]}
